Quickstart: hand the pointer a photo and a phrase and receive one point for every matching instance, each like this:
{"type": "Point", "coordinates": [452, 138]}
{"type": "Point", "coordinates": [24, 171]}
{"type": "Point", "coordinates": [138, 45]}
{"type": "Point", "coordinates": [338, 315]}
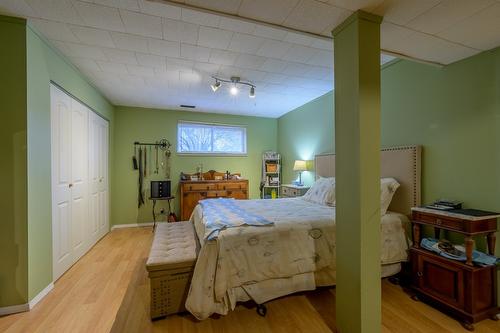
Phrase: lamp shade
{"type": "Point", "coordinates": [299, 165]}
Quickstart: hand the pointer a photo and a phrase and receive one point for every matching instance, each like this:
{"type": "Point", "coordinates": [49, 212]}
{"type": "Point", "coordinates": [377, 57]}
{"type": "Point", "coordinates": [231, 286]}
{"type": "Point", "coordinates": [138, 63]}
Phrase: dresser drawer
{"type": "Point", "coordinates": [215, 194]}
{"type": "Point", "coordinates": [232, 186]}
{"type": "Point", "coordinates": [439, 221]}
{"type": "Point", "coordinates": [200, 187]}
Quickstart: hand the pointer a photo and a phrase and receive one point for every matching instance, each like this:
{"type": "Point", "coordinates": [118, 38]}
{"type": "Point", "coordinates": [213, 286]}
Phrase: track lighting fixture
{"type": "Point", "coordinates": [235, 80]}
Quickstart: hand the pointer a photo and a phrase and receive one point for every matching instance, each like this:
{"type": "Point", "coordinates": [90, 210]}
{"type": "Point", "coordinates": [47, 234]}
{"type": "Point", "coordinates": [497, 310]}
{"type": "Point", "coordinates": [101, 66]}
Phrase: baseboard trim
{"type": "Point", "coordinates": [41, 295]}
{"type": "Point", "coordinates": [131, 225]}
{"type": "Point", "coordinates": [7, 310]}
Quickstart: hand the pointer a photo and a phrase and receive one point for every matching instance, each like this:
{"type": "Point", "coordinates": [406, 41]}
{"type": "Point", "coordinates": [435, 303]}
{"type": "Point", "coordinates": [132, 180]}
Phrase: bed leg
{"type": "Point", "coordinates": [261, 310]}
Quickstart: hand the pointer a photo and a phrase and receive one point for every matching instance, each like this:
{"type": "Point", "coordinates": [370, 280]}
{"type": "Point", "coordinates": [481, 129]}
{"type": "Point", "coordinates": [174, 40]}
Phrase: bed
{"type": "Point", "coordinates": [295, 250]}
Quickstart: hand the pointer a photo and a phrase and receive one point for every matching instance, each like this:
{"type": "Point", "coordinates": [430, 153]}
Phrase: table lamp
{"type": "Point", "coordinates": [300, 166]}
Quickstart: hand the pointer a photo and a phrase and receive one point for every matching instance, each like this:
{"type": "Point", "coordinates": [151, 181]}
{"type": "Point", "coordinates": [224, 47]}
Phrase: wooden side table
{"type": "Point", "coordinates": [469, 226]}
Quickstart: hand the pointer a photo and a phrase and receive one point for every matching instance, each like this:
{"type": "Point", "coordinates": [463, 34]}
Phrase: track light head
{"type": "Point", "coordinates": [252, 92]}
{"type": "Point", "coordinates": [234, 90]}
{"type": "Point", "coordinates": [215, 86]}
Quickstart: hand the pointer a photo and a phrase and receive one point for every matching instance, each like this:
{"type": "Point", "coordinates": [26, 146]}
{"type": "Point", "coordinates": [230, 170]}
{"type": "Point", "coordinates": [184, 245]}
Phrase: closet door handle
{"type": "Point", "coordinates": [420, 274]}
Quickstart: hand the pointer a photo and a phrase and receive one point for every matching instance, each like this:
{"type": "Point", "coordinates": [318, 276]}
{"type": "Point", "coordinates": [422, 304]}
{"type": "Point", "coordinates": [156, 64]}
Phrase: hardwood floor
{"type": "Point", "coordinates": [108, 290]}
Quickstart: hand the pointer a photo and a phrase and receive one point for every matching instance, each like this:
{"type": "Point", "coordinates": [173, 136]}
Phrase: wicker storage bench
{"type": "Point", "coordinates": [170, 266]}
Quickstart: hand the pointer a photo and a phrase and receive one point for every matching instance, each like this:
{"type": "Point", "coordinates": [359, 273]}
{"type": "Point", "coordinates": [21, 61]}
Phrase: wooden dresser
{"type": "Point", "coordinates": [462, 289]}
{"type": "Point", "coordinates": [193, 191]}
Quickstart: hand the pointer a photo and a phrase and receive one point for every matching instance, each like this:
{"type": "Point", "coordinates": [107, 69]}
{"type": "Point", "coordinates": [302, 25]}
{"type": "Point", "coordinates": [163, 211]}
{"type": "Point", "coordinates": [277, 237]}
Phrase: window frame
{"type": "Point", "coordinates": [212, 153]}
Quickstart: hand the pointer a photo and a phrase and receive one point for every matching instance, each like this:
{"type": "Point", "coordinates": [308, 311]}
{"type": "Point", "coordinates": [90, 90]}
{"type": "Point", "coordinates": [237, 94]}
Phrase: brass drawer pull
{"type": "Point", "coordinates": [439, 221]}
{"type": "Point", "coordinates": [420, 274]}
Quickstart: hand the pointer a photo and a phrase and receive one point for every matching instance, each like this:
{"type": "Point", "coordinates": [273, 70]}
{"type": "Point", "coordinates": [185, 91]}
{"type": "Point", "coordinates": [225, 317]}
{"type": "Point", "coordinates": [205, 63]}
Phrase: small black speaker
{"type": "Point", "coordinates": [160, 188]}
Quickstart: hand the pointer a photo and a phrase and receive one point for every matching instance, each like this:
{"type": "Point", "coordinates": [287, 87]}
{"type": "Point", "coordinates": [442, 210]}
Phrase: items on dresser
{"type": "Point", "coordinates": [290, 190]}
{"type": "Point", "coordinates": [213, 185]}
{"type": "Point", "coordinates": [462, 289]}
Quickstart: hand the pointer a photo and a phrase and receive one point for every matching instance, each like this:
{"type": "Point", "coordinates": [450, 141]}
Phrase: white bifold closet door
{"type": "Point", "coordinates": [74, 145]}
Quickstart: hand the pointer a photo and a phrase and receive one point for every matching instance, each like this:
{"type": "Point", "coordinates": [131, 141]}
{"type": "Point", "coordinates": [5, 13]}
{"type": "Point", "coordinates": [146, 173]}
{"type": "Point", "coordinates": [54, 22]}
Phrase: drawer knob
{"type": "Point", "coordinates": [439, 221]}
{"type": "Point", "coordinates": [420, 274]}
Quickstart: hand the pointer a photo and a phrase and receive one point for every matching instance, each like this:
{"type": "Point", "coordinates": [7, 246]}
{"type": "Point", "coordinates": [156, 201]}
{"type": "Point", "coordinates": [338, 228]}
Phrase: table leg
{"type": "Point", "coordinates": [492, 238]}
{"type": "Point", "coordinates": [469, 246]}
{"type": "Point", "coordinates": [154, 215]}
{"type": "Point", "coordinates": [416, 235]}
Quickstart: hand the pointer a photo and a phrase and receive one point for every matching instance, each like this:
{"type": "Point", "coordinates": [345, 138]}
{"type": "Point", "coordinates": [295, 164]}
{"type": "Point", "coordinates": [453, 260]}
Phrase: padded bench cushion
{"type": "Point", "coordinates": [175, 245]}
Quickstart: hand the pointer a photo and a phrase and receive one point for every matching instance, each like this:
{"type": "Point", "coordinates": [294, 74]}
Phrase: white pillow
{"type": "Point", "coordinates": [322, 192]}
{"type": "Point", "coordinates": [388, 187]}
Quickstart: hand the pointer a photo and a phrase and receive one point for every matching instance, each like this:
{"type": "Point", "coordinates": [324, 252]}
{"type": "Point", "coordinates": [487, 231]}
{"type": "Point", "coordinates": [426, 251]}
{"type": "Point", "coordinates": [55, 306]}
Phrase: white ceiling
{"type": "Point", "coordinates": [151, 54]}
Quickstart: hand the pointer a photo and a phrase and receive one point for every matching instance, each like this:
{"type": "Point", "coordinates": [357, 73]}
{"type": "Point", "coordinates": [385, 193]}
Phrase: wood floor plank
{"type": "Point", "coordinates": [108, 291]}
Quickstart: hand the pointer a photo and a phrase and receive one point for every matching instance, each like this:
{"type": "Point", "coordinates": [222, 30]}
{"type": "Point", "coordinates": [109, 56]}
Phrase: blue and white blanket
{"type": "Point", "coordinates": [221, 214]}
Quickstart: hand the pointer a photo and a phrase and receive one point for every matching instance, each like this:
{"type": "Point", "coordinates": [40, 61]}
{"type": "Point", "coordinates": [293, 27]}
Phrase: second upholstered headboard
{"type": "Point", "coordinates": [401, 163]}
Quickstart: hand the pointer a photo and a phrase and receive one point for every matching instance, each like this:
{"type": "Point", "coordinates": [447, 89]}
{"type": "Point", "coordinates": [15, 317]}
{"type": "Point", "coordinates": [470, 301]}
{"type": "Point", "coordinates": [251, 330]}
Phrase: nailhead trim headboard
{"type": "Point", "coordinates": [402, 163]}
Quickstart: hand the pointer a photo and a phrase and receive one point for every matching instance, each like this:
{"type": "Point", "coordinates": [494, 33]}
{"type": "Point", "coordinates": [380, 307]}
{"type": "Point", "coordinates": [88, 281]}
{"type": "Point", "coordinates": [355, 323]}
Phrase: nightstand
{"type": "Point", "coordinates": [461, 289]}
{"type": "Point", "coordinates": [289, 190]}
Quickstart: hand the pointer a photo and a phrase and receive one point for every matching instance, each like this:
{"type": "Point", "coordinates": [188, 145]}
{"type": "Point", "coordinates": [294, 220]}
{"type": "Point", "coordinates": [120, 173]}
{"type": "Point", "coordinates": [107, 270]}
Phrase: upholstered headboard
{"type": "Point", "coordinates": [400, 163]}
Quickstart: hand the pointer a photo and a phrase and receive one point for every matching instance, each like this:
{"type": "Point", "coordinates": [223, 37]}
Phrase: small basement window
{"type": "Point", "coordinates": [211, 139]}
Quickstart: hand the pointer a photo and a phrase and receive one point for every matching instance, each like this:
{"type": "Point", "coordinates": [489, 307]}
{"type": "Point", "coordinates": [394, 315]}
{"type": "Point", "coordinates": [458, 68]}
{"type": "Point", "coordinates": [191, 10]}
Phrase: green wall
{"type": "Point", "coordinates": [13, 226]}
{"type": "Point", "coordinates": [45, 65]}
{"type": "Point", "coordinates": [149, 125]}
{"type": "Point", "coordinates": [27, 66]}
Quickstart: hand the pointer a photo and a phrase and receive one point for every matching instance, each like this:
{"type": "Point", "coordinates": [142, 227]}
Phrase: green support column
{"type": "Point", "coordinates": [357, 140]}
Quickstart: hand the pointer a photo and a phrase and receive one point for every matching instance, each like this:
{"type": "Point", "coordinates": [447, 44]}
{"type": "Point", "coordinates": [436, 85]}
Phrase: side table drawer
{"type": "Point", "coordinates": [438, 221]}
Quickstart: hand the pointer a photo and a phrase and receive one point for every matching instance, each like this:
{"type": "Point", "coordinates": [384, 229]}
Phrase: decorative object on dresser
{"type": "Point", "coordinates": [466, 291]}
{"type": "Point", "coordinates": [290, 190]}
{"type": "Point", "coordinates": [300, 166]}
{"type": "Point", "coordinates": [271, 175]}
{"type": "Point", "coordinates": [213, 185]}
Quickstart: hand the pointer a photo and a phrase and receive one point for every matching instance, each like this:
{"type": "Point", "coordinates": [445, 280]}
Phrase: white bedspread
{"type": "Point", "coordinates": [265, 262]}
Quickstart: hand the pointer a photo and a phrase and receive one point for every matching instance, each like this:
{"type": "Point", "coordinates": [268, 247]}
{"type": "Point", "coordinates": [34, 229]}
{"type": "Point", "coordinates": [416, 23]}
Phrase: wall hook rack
{"type": "Point", "coordinates": [163, 144]}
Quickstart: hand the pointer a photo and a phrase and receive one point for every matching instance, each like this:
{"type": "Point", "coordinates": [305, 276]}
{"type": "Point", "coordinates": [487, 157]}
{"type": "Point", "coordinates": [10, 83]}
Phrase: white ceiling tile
{"type": "Point", "coordinates": [224, 6]}
{"type": "Point", "coordinates": [236, 25]}
{"type": "Point", "coordinates": [321, 58]}
{"type": "Point", "coordinates": [269, 32]}
{"type": "Point", "coordinates": [275, 78]}
{"type": "Point", "coordinates": [274, 65]}
{"type": "Point", "coordinates": [189, 77]}
{"type": "Point", "coordinates": [391, 34]}
{"type": "Point", "coordinates": [57, 10]}
{"type": "Point", "coordinates": [160, 9]}
{"type": "Point", "coordinates": [298, 38]}
{"type": "Point", "coordinates": [93, 36]}
{"type": "Point", "coordinates": [112, 67]}
{"type": "Point", "coordinates": [299, 53]}
{"type": "Point", "coordinates": [207, 67]}
{"type": "Point", "coordinates": [223, 57]}
{"type": "Point", "coordinates": [325, 44]}
{"type": "Point", "coordinates": [85, 64]}
{"type": "Point", "coordinates": [142, 24]}
{"type": "Point", "coordinates": [480, 31]}
{"type": "Point", "coordinates": [194, 52]}
{"type": "Point", "coordinates": [253, 75]}
{"type": "Point", "coordinates": [125, 4]}
{"type": "Point", "coordinates": [140, 70]}
{"type": "Point", "coordinates": [403, 11]}
{"type": "Point", "coordinates": [267, 11]}
{"type": "Point", "coordinates": [245, 43]}
{"type": "Point", "coordinates": [98, 16]}
{"type": "Point", "coordinates": [214, 37]}
{"type": "Point", "coordinates": [366, 5]}
{"type": "Point", "coordinates": [420, 45]}
{"type": "Point", "coordinates": [249, 61]}
{"type": "Point", "coordinates": [200, 18]}
{"type": "Point", "coordinates": [164, 47]}
{"type": "Point", "coordinates": [84, 51]}
{"type": "Point", "coordinates": [120, 56]}
{"type": "Point", "coordinates": [180, 31]}
{"type": "Point", "coordinates": [296, 69]}
{"type": "Point", "coordinates": [54, 30]}
{"type": "Point", "coordinates": [318, 72]}
{"type": "Point", "coordinates": [447, 13]}
{"type": "Point", "coordinates": [314, 16]}
{"type": "Point", "coordinates": [16, 7]}
{"type": "Point", "coordinates": [169, 75]}
{"type": "Point", "coordinates": [129, 42]}
{"type": "Point", "coordinates": [274, 49]}
{"type": "Point", "coordinates": [150, 60]}
{"type": "Point", "coordinates": [179, 65]}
